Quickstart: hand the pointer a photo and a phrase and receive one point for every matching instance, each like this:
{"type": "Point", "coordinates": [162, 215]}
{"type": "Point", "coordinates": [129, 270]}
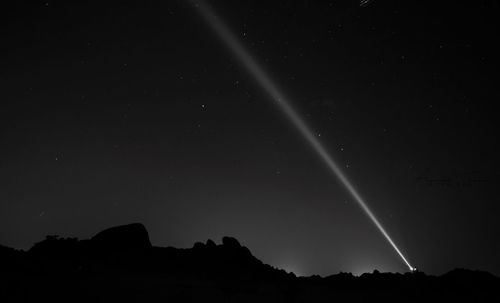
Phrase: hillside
{"type": "Point", "coordinates": [121, 265]}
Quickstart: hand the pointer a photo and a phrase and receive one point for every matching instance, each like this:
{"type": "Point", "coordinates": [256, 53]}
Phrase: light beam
{"type": "Point", "coordinates": [262, 78]}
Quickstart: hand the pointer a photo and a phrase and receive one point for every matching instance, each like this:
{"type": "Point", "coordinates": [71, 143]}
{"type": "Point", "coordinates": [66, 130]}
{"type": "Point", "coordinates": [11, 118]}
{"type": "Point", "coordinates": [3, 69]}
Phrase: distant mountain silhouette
{"type": "Point", "coordinates": [119, 264]}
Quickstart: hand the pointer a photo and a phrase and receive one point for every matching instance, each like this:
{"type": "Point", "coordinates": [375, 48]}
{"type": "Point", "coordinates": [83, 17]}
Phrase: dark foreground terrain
{"type": "Point", "coordinates": [120, 265]}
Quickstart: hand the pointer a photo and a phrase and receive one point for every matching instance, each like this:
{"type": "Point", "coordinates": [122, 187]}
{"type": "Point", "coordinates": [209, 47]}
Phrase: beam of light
{"type": "Point", "coordinates": [285, 106]}
{"type": "Point", "coordinates": [364, 3]}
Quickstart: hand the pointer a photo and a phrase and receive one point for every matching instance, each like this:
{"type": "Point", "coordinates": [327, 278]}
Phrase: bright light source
{"type": "Point", "coordinates": [283, 103]}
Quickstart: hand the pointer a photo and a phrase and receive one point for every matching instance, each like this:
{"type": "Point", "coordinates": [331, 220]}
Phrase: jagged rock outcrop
{"type": "Point", "coordinates": [120, 264]}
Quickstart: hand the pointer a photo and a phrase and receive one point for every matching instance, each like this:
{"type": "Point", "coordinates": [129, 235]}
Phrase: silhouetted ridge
{"type": "Point", "coordinates": [11, 259]}
{"type": "Point", "coordinates": [119, 264]}
{"type": "Point", "coordinates": [54, 246]}
{"type": "Point", "coordinates": [6, 252]}
{"type": "Point", "coordinates": [469, 278]}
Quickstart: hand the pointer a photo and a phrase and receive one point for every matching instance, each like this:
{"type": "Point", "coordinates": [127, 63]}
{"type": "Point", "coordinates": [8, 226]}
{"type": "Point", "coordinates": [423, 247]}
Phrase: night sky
{"type": "Point", "coordinates": [113, 113]}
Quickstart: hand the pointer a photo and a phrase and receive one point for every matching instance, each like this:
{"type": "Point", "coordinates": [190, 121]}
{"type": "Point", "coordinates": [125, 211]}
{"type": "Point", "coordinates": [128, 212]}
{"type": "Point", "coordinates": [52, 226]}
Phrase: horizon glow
{"type": "Point", "coordinates": [271, 88]}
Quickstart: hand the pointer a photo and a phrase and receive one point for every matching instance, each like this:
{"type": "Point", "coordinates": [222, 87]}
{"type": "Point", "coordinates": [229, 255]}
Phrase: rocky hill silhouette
{"type": "Point", "coordinates": [119, 264]}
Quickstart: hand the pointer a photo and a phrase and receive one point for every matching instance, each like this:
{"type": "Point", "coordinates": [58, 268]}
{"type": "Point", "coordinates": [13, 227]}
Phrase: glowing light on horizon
{"type": "Point", "coordinates": [285, 106]}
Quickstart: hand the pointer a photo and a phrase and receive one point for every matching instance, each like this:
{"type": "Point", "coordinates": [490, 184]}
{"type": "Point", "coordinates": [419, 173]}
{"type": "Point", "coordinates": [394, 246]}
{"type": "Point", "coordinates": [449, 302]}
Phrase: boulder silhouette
{"type": "Point", "coordinates": [131, 237]}
{"type": "Point", "coordinates": [119, 264]}
{"type": "Point", "coordinates": [230, 242]}
{"type": "Point", "coordinates": [210, 244]}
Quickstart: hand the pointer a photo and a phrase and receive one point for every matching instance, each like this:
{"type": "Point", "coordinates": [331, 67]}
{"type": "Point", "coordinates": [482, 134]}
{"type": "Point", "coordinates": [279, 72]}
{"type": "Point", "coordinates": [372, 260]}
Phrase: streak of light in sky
{"type": "Point", "coordinates": [283, 103]}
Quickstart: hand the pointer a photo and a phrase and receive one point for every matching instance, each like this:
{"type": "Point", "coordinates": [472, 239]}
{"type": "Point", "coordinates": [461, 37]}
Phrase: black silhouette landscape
{"type": "Point", "coordinates": [120, 264]}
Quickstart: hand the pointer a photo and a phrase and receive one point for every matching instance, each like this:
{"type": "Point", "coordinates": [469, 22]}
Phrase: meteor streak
{"type": "Point", "coordinates": [271, 88]}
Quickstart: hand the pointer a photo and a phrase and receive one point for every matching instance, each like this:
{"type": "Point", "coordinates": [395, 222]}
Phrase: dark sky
{"type": "Point", "coordinates": [124, 112]}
